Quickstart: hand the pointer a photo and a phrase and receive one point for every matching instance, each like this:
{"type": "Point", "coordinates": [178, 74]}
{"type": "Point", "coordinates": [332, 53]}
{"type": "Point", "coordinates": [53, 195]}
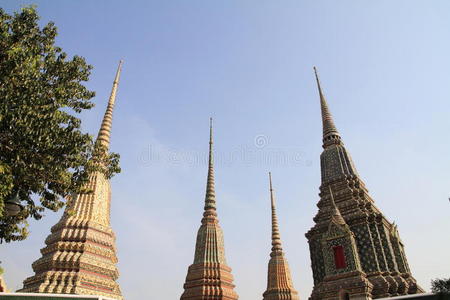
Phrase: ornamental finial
{"type": "Point", "coordinates": [105, 128]}
{"type": "Point", "coordinates": [329, 129]}
{"type": "Point", "coordinates": [210, 198]}
{"type": "Point", "coordinates": [276, 240]}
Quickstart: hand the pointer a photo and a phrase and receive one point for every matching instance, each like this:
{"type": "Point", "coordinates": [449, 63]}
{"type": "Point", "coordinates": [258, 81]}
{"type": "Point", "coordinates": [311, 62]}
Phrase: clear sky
{"type": "Point", "coordinates": [385, 70]}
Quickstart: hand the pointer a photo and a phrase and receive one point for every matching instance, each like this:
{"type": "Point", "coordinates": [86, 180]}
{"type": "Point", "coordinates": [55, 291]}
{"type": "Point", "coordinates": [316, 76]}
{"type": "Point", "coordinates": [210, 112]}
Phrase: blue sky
{"type": "Point", "coordinates": [384, 67]}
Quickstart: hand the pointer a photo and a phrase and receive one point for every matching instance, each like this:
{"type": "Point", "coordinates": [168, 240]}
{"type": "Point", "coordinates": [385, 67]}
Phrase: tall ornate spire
{"type": "Point", "coordinates": [330, 133]}
{"type": "Point", "coordinates": [279, 281]}
{"type": "Point", "coordinates": [105, 129]}
{"type": "Point", "coordinates": [276, 241]}
{"type": "Point", "coordinates": [369, 245]}
{"type": "Point", "coordinates": [335, 160]}
{"type": "Point", "coordinates": [209, 277]}
{"type": "Point", "coordinates": [210, 197]}
{"type": "Point", "coordinates": [80, 253]}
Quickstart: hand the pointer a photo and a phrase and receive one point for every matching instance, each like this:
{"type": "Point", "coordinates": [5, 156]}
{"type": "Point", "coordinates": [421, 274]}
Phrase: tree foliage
{"type": "Point", "coordinates": [44, 156]}
{"type": "Point", "coordinates": [441, 286]}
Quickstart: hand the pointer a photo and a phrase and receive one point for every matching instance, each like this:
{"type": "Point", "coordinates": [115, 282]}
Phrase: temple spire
{"type": "Point", "coordinates": [86, 264]}
{"type": "Point", "coordinates": [209, 276]}
{"type": "Point", "coordinates": [105, 128]}
{"type": "Point", "coordinates": [276, 240]}
{"type": "Point", "coordinates": [210, 198]}
{"type": "Point", "coordinates": [279, 279]}
{"type": "Point", "coordinates": [329, 129]}
{"type": "Point", "coordinates": [368, 242]}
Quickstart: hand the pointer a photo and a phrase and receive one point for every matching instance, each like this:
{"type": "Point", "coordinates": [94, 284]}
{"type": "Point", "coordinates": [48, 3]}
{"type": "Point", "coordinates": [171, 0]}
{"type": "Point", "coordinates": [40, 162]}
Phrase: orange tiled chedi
{"type": "Point", "coordinates": [279, 280]}
{"type": "Point", "coordinates": [80, 253]}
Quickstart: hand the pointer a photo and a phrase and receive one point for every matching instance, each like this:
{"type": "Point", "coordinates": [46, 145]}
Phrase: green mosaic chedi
{"type": "Point", "coordinates": [356, 253]}
{"type": "Point", "coordinates": [209, 277]}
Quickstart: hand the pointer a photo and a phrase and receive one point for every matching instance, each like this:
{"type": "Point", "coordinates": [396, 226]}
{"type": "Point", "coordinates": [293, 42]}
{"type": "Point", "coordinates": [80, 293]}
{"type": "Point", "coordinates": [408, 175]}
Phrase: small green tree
{"type": "Point", "coordinates": [44, 156]}
{"type": "Point", "coordinates": [441, 286]}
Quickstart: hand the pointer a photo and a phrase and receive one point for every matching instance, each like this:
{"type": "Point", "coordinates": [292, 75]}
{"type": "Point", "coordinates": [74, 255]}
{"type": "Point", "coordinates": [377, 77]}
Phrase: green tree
{"type": "Point", "coordinates": [441, 286]}
{"type": "Point", "coordinates": [44, 156]}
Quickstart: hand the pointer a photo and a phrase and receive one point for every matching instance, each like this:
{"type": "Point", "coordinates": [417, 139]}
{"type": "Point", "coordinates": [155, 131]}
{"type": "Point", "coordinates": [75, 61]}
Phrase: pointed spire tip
{"type": "Point", "coordinates": [210, 130]}
{"type": "Point", "coordinates": [329, 129]}
{"type": "Point", "coordinates": [270, 181]}
{"type": "Point", "coordinates": [276, 241]}
{"type": "Point", "coordinates": [210, 198]}
{"type": "Point", "coordinates": [316, 73]}
{"type": "Point", "coordinates": [105, 127]}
